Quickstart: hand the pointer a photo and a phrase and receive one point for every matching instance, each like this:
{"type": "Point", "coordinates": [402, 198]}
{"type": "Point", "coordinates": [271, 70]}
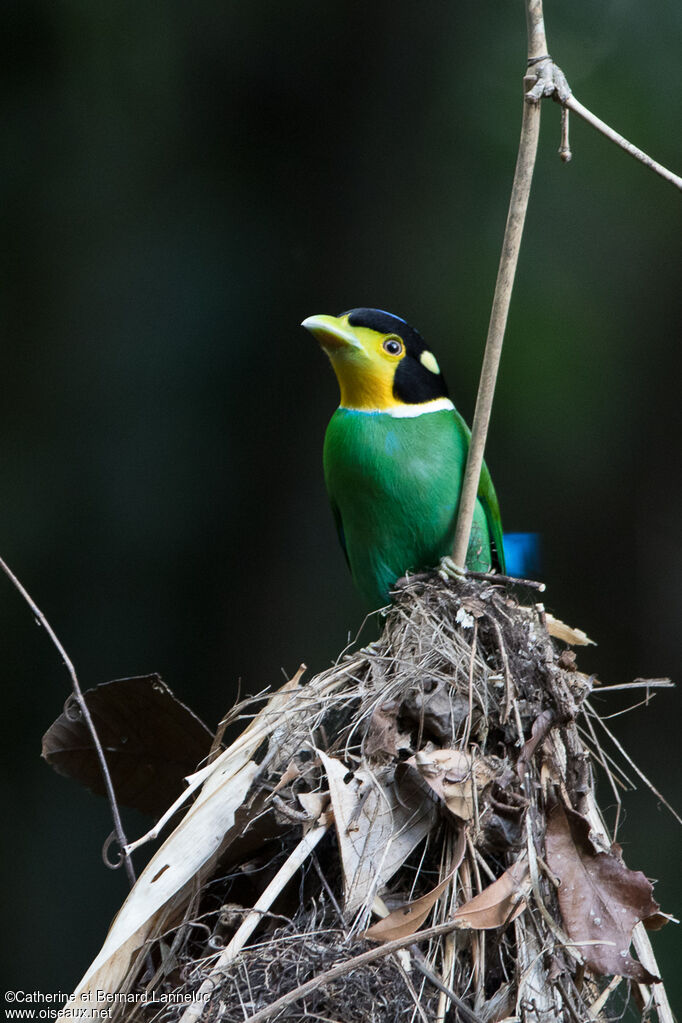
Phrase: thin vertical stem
{"type": "Point", "coordinates": [518, 204]}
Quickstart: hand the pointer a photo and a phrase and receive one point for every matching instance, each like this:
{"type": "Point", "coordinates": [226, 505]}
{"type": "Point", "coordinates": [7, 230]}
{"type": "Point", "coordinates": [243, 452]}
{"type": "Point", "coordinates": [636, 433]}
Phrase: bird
{"type": "Point", "coordinates": [394, 455]}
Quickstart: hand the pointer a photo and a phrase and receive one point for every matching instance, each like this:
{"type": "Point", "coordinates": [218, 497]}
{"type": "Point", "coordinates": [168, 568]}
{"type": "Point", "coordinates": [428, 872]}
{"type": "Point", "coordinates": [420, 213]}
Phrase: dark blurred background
{"type": "Point", "coordinates": [182, 184]}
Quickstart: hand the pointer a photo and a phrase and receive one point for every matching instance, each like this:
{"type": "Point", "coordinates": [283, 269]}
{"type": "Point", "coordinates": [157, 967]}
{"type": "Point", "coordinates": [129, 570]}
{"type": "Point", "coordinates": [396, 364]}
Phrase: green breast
{"type": "Point", "coordinates": [394, 485]}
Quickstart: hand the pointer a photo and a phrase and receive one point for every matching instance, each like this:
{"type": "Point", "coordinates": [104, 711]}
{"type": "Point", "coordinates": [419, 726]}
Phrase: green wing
{"type": "Point", "coordinates": [489, 502]}
{"type": "Point", "coordinates": [488, 498]}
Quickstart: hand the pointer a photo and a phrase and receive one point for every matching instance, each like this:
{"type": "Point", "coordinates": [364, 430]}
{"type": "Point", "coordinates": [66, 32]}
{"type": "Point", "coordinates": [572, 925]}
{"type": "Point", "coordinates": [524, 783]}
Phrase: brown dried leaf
{"type": "Point", "coordinates": [383, 735]}
{"type": "Point", "coordinates": [476, 607]}
{"type": "Point", "coordinates": [408, 919]}
{"type": "Point", "coordinates": [449, 776]}
{"type": "Point", "coordinates": [501, 814]}
{"type": "Point", "coordinates": [658, 920]}
{"type": "Point", "coordinates": [567, 660]}
{"type": "Point", "coordinates": [499, 903]}
{"type": "Point", "coordinates": [448, 772]}
{"type": "Point", "coordinates": [152, 742]}
{"type": "Point", "coordinates": [600, 899]}
{"type": "Point", "coordinates": [541, 727]}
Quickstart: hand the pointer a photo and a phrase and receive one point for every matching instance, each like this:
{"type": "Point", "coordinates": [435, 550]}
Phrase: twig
{"type": "Point", "coordinates": [518, 204]}
{"type": "Point", "coordinates": [414, 995]}
{"type": "Point", "coordinates": [508, 682]}
{"type": "Point", "coordinates": [478, 935]}
{"type": "Point", "coordinates": [646, 702]}
{"type": "Point", "coordinates": [552, 82]}
{"type": "Point", "coordinates": [325, 884]}
{"type": "Point", "coordinates": [573, 104]}
{"type": "Point", "coordinates": [498, 577]}
{"type": "Point", "coordinates": [87, 717]}
{"type": "Point", "coordinates": [588, 735]}
{"type": "Point", "coordinates": [565, 145]}
{"type": "Point", "coordinates": [639, 683]}
{"type": "Point", "coordinates": [472, 662]}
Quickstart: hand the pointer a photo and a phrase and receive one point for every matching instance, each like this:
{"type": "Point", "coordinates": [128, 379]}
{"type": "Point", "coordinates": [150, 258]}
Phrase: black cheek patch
{"type": "Point", "coordinates": [414, 384]}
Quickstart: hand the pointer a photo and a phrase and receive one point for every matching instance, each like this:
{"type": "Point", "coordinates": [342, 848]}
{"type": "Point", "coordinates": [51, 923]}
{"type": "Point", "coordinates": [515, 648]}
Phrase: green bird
{"type": "Point", "coordinates": [394, 455]}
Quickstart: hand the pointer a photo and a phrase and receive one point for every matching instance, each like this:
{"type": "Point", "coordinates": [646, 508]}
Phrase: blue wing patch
{"type": "Point", "coordinates": [523, 554]}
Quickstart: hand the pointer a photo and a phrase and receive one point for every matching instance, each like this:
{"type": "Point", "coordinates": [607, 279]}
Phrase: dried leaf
{"type": "Point", "coordinates": [501, 818]}
{"type": "Point", "coordinates": [409, 918]}
{"type": "Point", "coordinates": [376, 832]}
{"type": "Point", "coordinates": [314, 803]}
{"type": "Point", "coordinates": [541, 727]}
{"type": "Point", "coordinates": [600, 899]}
{"type": "Point", "coordinates": [437, 710]}
{"type": "Point", "coordinates": [658, 920]}
{"type": "Point", "coordinates": [383, 735]}
{"type": "Point", "coordinates": [499, 903]}
{"type": "Point", "coordinates": [449, 776]}
{"type": "Point", "coordinates": [152, 742]}
{"type": "Point", "coordinates": [559, 629]}
{"type": "Point", "coordinates": [291, 774]}
{"type": "Point", "coordinates": [476, 607]}
{"type": "Point", "coordinates": [448, 772]}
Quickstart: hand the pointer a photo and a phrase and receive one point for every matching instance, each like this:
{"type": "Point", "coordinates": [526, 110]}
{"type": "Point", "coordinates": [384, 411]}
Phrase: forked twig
{"type": "Point", "coordinates": [422, 966]}
{"type": "Point", "coordinates": [87, 717]}
{"type": "Point", "coordinates": [543, 79]}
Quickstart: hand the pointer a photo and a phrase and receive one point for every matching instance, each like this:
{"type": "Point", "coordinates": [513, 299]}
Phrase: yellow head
{"type": "Point", "coordinates": [380, 361]}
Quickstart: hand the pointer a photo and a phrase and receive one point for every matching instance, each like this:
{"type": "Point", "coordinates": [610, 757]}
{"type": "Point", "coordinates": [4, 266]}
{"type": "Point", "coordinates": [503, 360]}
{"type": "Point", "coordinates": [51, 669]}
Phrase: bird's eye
{"type": "Point", "coordinates": [393, 345]}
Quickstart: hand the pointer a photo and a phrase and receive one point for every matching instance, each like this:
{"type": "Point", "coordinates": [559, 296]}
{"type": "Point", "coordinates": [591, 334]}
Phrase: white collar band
{"type": "Point", "coordinates": [406, 411]}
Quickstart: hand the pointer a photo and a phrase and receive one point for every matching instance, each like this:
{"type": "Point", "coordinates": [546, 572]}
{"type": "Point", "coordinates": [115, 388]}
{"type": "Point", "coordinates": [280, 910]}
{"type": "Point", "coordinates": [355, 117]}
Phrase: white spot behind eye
{"type": "Point", "coordinates": [428, 360]}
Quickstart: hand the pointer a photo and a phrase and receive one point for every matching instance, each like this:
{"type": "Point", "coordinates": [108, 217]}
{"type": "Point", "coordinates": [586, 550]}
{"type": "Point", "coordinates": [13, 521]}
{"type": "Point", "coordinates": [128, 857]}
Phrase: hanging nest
{"type": "Point", "coordinates": [411, 835]}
